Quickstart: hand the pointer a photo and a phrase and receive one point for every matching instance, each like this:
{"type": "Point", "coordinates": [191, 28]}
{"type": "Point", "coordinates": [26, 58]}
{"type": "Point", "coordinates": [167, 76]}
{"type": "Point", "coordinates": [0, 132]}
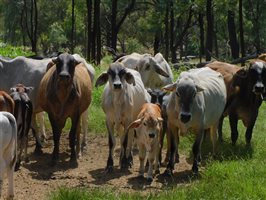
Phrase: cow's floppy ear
{"type": "Point", "coordinates": [158, 68]}
{"type": "Point", "coordinates": [102, 79]}
{"type": "Point", "coordinates": [170, 87]}
{"type": "Point", "coordinates": [28, 89]}
{"type": "Point", "coordinates": [135, 124]}
{"type": "Point", "coordinates": [130, 78]}
{"type": "Point", "coordinates": [199, 88]}
{"type": "Point", "coordinates": [242, 73]}
{"type": "Point", "coordinates": [49, 65]}
{"type": "Point", "coordinates": [13, 89]}
{"type": "Point", "coordinates": [76, 62]}
{"type": "Point", "coordinates": [160, 119]}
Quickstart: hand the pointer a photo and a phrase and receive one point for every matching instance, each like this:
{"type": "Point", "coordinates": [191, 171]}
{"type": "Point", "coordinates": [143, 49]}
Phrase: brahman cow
{"type": "Point", "coordinates": [228, 71]}
{"type": "Point", "coordinates": [30, 72]}
{"type": "Point", "coordinates": [23, 114]}
{"type": "Point", "coordinates": [148, 127]}
{"type": "Point", "coordinates": [65, 91]}
{"type": "Point", "coordinates": [249, 85]}
{"type": "Point", "coordinates": [123, 96]}
{"type": "Point", "coordinates": [197, 102]}
{"type": "Point", "coordinates": [8, 150]}
{"type": "Point", "coordinates": [155, 71]}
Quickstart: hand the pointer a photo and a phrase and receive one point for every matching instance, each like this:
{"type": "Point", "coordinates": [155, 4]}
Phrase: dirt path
{"type": "Point", "coordinates": [36, 179]}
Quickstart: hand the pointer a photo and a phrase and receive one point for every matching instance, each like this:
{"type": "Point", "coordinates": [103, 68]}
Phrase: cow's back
{"type": "Point", "coordinates": [23, 70]}
{"type": "Point", "coordinates": [211, 101]}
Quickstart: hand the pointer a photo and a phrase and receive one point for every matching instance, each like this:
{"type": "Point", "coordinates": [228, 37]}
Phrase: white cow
{"type": "Point", "coordinates": [197, 102]}
{"type": "Point", "coordinates": [123, 96]}
{"type": "Point", "coordinates": [155, 71]}
{"type": "Point", "coordinates": [8, 150]}
{"type": "Point", "coordinates": [29, 71]}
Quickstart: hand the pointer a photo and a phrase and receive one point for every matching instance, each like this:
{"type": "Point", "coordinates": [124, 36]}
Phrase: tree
{"type": "Point", "coordinates": [209, 38]}
{"type": "Point", "coordinates": [73, 27]}
{"type": "Point", "coordinates": [232, 34]}
{"type": "Point", "coordinates": [241, 29]}
{"type": "Point", "coordinates": [31, 22]}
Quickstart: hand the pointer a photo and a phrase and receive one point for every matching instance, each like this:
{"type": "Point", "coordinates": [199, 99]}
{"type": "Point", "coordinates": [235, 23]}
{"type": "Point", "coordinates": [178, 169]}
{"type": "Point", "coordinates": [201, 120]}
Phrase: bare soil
{"type": "Point", "coordinates": [37, 179]}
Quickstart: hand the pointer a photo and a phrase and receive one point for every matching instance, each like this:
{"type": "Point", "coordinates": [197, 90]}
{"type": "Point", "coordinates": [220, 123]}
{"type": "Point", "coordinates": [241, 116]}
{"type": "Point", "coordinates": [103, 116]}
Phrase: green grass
{"type": "Point", "coordinates": [12, 52]}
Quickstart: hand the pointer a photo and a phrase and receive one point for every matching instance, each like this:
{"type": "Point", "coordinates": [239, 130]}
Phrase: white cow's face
{"type": "Point", "coordinates": [117, 76]}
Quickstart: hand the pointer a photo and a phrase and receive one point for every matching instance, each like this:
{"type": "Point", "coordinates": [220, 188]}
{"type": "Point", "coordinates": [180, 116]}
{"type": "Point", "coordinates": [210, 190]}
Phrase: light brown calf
{"type": "Point", "coordinates": [148, 127]}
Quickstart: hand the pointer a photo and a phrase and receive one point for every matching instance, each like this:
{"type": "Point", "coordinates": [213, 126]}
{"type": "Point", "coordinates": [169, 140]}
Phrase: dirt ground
{"type": "Point", "coordinates": [37, 179]}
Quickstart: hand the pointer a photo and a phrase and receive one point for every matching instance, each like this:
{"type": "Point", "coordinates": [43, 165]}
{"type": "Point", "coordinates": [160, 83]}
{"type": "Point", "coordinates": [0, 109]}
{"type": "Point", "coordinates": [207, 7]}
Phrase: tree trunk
{"type": "Point", "coordinates": [216, 41]}
{"type": "Point", "coordinates": [172, 21]}
{"type": "Point", "coordinates": [232, 34]}
{"type": "Point", "coordinates": [201, 26]}
{"type": "Point", "coordinates": [166, 33]}
{"type": "Point", "coordinates": [157, 41]}
{"type": "Point", "coordinates": [209, 38]}
{"type": "Point", "coordinates": [113, 25]}
{"type": "Point", "coordinates": [241, 29]}
{"type": "Point", "coordinates": [73, 26]}
{"type": "Point", "coordinates": [89, 32]}
{"type": "Point", "coordinates": [97, 29]}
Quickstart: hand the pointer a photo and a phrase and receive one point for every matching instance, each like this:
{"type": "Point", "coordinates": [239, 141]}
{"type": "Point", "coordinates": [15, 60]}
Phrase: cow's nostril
{"type": "Point", "coordinates": [151, 135]}
{"type": "Point", "coordinates": [117, 86]}
{"type": "Point", "coordinates": [185, 117]}
{"type": "Point", "coordinates": [64, 76]}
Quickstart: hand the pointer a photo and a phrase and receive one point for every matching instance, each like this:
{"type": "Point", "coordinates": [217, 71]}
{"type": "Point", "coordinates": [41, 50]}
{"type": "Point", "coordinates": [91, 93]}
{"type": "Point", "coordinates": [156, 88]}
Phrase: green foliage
{"type": "Point", "coordinates": [12, 52]}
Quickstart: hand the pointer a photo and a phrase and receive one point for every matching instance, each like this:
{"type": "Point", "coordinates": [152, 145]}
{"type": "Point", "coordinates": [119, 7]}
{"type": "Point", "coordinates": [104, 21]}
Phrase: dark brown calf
{"type": "Point", "coordinates": [23, 113]}
{"type": "Point", "coordinates": [6, 102]}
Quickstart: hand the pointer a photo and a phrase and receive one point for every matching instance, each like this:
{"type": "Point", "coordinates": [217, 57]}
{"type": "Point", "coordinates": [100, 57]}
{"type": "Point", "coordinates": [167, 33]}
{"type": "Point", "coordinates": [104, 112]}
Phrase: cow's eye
{"type": "Point", "coordinates": [144, 124]}
{"type": "Point", "coordinates": [147, 67]}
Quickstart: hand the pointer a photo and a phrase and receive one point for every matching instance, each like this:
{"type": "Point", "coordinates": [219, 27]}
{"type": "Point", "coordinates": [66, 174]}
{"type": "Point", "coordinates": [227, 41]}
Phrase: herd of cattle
{"type": "Point", "coordinates": [141, 102]}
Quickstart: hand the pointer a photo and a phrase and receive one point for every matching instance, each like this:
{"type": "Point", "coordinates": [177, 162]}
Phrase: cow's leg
{"type": "Point", "coordinates": [128, 148]}
{"type": "Point", "coordinates": [57, 129]}
{"type": "Point", "coordinates": [2, 170]}
{"type": "Point", "coordinates": [220, 128]}
{"type": "Point", "coordinates": [213, 132]}
{"type": "Point", "coordinates": [152, 157]}
{"type": "Point", "coordinates": [10, 175]}
{"type": "Point", "coordinates": [233, 119]}
{"type": "Point", "coordinates": [111, 142]}
{"type": "Point", "coordinates": [173, 147]}
{"type": "Point", "coordinates": [196, 149]}
{"type": "Point", "coordinates": [250, 127]}
{"type": "Point", "coordinates": [38, 146]}
{"type": "Point", "coordinates": [142, 155]}
{"type": "Point", "coordinates": [74, 139]}
{"type": "Point", "coordinates": [41, 119]}
{"type": "Point", "coordinates": [84, 124]}
{"type": "Point", "coordinates": [157, 161]}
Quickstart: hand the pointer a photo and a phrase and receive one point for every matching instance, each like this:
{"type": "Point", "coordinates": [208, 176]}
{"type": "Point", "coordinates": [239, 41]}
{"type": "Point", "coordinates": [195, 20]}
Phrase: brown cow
{"type": "Point", "coordinates": [148, 128]}
{"type": "Point", "coordinates": [6, 102]}
{"type": "Point", "coordinates": [23, 113]}
{"type": "Point", "coordinates": [245, 88]}
{"type": "Point", "coordinates": [65, 91]}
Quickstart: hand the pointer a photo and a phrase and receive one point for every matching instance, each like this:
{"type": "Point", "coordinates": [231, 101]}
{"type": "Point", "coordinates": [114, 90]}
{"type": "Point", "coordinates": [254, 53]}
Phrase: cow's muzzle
{"type": "Point", "coordinates": [258, 88]}
{"type": "Point", "coordinates": [64, 76]}
{"type": "Point", "coordinates": [152, 135]}
{"type": "Point", "coordinates": [117, 85]}
{"type": "Point", "coordinates": [185, 117]}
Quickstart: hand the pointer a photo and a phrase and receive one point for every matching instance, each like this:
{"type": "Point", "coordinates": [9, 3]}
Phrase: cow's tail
{"type": "Point", "coordinates": [13, 124]}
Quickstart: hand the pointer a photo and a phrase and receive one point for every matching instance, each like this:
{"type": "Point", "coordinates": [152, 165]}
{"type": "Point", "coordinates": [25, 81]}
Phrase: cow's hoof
{"type": "Point", "coordinates": [168, 172]}
{"type": "Point", "coordinates": [10, 197]}
{"type": "Point", "coordinates": [27, 160]}
{"type": "Point", "coordinates": [195, 170]}
{"type": "Point", "coordinates": [17, 166]}
{"type": "Point", "coordinates": [38, 151]}
{"type": "Point", "coordinates": [149, 179]}
{"type": "Point", "coordinates": [109, 169]}
{"type": "Point", "coordinates": [53, 163]}
{"type": "Point", "coordinates": [157, 171]}
{"type": "Point", "coordinates": [84, 146]}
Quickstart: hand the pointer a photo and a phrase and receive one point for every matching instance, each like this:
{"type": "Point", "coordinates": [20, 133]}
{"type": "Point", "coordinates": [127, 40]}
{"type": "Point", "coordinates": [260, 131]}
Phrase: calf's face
{"type": "Point", "coordinates": [117, 76]}
{"type": "Point", "coordinates": [149, 128]}
{"type": "Point", "coordinates": [156, 96]}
